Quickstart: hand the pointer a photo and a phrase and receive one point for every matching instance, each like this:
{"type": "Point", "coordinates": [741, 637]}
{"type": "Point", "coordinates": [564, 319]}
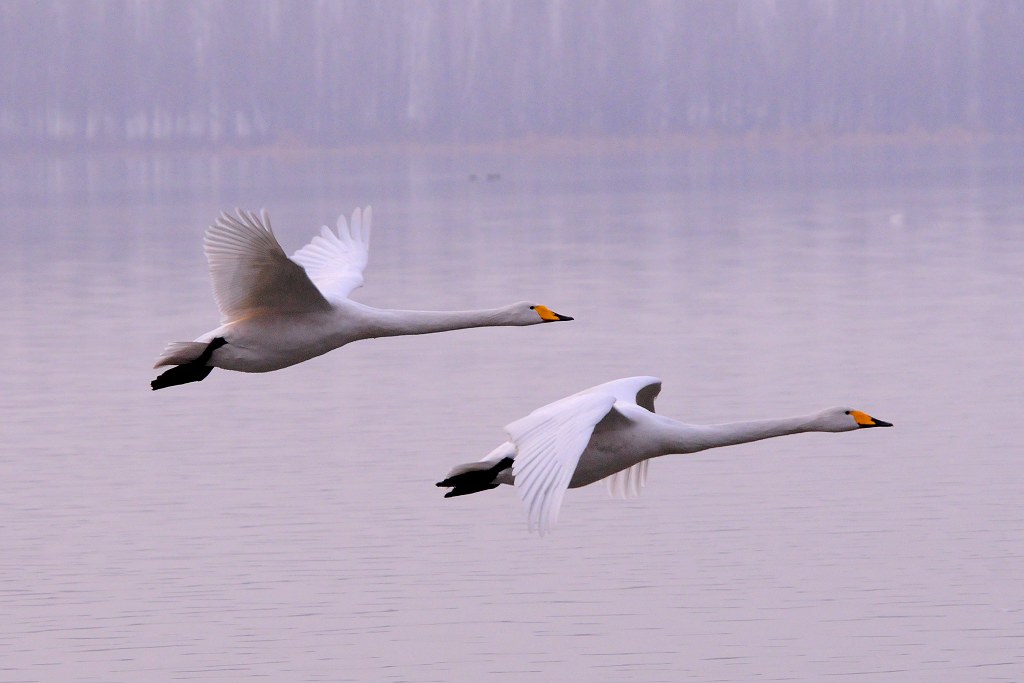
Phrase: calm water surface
{"type": "Point", "coordinates": [286, 526]}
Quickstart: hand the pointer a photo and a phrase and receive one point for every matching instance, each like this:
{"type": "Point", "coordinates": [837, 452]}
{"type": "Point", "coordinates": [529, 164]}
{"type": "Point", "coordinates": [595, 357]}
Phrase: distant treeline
{"type": "Point", "coordinates": [255, 72]}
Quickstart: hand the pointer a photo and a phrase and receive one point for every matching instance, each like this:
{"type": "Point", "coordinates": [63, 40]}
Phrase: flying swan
{"type": "Point", "coordinates": [278, 311]}
{"type": "Point", "coordinates": [611, 432]}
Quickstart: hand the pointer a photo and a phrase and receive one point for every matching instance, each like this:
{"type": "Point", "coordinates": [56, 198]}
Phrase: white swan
{"type": "Point", "coordinates": [611, 432]}
{"type": "Point", "coordinates": [277, 311]}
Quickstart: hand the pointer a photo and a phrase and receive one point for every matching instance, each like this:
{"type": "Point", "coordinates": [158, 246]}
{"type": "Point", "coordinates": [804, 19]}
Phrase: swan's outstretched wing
{"type": "Point", "coordinates": [250, 271]}
{"type": "Point", "coordinates": [640, 390]}
{"type": "Point", "coordinates": [629, 482]}
{"type": "Point", "coordinates": [549, 442]}
{"type": "Point", "coordinates": [335, 261]}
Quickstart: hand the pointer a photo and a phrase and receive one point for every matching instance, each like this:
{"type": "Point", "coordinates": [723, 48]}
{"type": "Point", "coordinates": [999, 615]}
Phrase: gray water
{"type": "Point", "coordinates": [286, 526]}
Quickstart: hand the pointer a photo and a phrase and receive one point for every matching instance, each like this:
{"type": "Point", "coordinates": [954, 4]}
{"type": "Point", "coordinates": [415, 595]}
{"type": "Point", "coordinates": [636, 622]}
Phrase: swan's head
{"type": "Point", "coordinates": [846, 420]}
{"type": "Point", "coordinates": [527, 313]}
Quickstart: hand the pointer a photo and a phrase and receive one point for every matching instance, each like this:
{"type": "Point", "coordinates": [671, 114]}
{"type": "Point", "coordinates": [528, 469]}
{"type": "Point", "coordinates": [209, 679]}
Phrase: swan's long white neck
{"type": "Point", "coordinates": [684, 438]}
{"type": "Point", "coordinates": [393, 323]}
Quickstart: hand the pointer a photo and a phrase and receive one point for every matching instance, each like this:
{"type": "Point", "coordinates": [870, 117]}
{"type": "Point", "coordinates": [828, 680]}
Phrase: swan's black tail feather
{"type": "Point", "coordinates": [466, 490]}
{"type": "Point", "coordinates": [474, 480]}
{"type": "Point", "coordinates": [193, 371]}
{"type": "Point", "coordinates": [181, 374]}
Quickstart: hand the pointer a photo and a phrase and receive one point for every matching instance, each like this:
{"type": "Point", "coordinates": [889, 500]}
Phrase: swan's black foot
{"type": "Point", "coordinates": [193, 371]}
{"type": "Point", "coordinates": [474, 481]}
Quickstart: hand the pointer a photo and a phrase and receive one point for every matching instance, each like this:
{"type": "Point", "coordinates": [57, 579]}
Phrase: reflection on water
{"type": "Point", "coordinates": [286, 525]}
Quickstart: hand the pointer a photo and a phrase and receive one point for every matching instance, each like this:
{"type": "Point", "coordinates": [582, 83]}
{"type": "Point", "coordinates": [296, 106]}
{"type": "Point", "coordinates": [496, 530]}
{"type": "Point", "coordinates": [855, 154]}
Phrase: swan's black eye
{"type": "Point", "coordinates": [847, 412]}
{"type": "Point", "coordinates": [532, 307]}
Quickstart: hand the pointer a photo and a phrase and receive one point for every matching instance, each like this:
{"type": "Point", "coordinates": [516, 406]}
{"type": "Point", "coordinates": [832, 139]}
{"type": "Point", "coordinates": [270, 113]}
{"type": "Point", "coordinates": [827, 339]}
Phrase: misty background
{"type": "Point", "coordinates": [163, 72]}
{"type": "Point", "coordinates": [773, 206]}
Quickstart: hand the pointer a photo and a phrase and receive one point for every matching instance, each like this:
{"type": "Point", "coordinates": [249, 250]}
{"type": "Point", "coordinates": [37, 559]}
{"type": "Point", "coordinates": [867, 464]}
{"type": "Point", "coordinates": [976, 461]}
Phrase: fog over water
{"type": "Point", "coordinates": [775, 207]}
{"type": "Point", "coordinates": [108, 72]}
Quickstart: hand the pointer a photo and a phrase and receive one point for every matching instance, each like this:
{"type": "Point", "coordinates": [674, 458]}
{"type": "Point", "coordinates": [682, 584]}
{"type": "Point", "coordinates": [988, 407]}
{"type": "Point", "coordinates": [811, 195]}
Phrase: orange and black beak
{"type": "Point", "coordinates": [549, 316]}
{"type": "Point", "coordinates": [865, 420]}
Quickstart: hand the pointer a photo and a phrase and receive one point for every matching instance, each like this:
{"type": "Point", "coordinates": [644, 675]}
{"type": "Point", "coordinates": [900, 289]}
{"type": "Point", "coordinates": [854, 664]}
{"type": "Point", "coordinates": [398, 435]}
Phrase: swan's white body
{"type": "Point", "coordinates": [611, 432]}
{"type": "Point", "coordinates": [278, 311]}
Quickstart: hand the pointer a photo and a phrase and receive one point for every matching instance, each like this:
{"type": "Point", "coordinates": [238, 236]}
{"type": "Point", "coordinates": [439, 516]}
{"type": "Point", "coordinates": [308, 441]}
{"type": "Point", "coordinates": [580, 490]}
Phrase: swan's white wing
{"type": "Point", "coordinates": [549, 442]}
{"type": "Point", "coordinates": [629, 482]}
{"type": "Point", "coordinates": [335, 261]}
{"type": "Point", "coordinates": [645, 394]}
{"type": "Point", "coordinates": [640, 390]}
{"type": "Point", "coordinates": [250, 271]}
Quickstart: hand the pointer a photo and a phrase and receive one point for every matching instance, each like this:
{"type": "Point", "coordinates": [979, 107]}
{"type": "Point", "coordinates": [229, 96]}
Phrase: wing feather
{"type": "Point", "coordinates": [640, 390]}
{"type": "Point", "coordinates": [335, 261]}
{"type": "Point", "coordinates": [629, 483]}
{"type": "Point", "coordinates": [549, 442]}
{"type": "Point", "coordinates": [250, 271]}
